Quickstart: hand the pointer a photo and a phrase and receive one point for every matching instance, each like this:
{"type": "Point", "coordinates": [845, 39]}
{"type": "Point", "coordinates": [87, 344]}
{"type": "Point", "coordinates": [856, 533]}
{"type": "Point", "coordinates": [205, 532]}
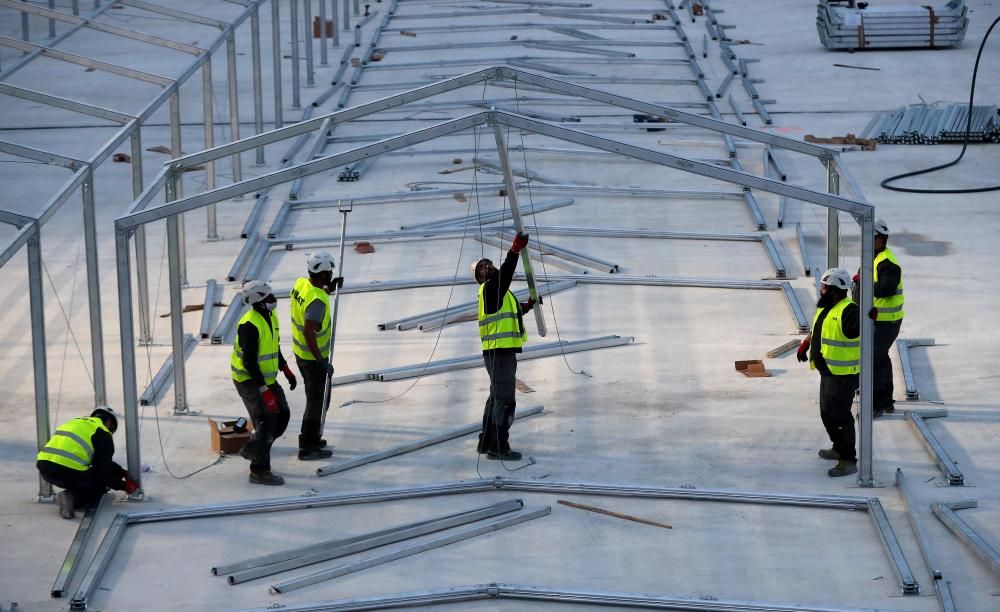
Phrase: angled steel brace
{"type": "Point", "coordinates": [945, 512]}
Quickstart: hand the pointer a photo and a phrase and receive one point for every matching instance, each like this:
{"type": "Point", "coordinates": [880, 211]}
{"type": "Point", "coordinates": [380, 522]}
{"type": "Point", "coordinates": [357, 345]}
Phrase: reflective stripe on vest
{"type": "Point", "coordinates": [267, 348]}
{"type": "Point", "coordinates": [890, 308]}
{"type": "Point", "coordinates": [504, 328]}
{"type": "Point", "coordinates": [302, 295]}
{"type": "Point", "coordinates": [842, 354]}
{"type": "Point", "coordinates": [70, 445]}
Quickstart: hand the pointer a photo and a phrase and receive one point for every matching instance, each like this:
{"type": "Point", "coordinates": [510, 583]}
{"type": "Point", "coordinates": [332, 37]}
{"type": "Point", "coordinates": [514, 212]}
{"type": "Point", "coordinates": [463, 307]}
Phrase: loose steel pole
{"type": "Point", "coordinates": [258, 86]}
{"type": "Point", "coordinates": [336, 30]}
{"type": "Point", "coordinates": [208, 113]}
{"type": "Point", "coordinates": [141, 268]}
{"type": "Point", "coordinates": [832, 220]}
{"type": "Point", "coordinates": [327, 391]}
{"type": "Point", "coordinates": [865, 448]}
{"type": "Point", "coordinates": [234, 106]}
{"type": "Point", "coordinates": [94, 291]}
{"type": "Point", "coordinates": [52, 22]}
{"type": "Point", "coordinates": [322, 33]}
{"type": "Point", "coordinates": [178, 183]}
{"type": "Point", "coordinates": [25, 33]}
{"type": "Point", "coordinates": [276, 62]}
{"type": "Point", "coordinates": [307, 26]}
{"type": "Point", "coordinates": [347, 17]}
{"type": "Point", "coordinates": [39, 363]}
{"type": "Point", "coordinates": [293, 17]}
{"type": "Point", "coordinates": [176, 304]}
{"type": "Point", "coordinates": [130, 393]}
{"type": "Point", "coordinates": [515, 213]}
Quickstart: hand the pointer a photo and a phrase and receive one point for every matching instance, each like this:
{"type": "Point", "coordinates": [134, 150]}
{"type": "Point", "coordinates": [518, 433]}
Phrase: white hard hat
{"type": "Point", "coordinates": [837, 277]}
{"type": "Point", "coordinates": [881, 229]}
{"type": "Point", "coordinates": [255, 291]}
{"type": "Point", "coordinates": [320, 262]}
{"type": "Point", "coordinates": [106, 412]}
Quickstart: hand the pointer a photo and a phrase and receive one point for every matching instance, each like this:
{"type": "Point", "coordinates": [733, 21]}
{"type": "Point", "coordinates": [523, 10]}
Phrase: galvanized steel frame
{"type": "Point", "coordinates": [945, 511]}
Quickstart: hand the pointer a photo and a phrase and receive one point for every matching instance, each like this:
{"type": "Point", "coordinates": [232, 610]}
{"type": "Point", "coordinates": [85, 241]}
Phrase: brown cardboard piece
{"type": "Point", "coordinates": [753, 368]}
{"type": "Point", "coordinates": [225, 439]}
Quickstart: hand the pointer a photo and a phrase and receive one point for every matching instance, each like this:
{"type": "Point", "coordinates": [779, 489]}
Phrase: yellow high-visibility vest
{"type": "Point", "coordinates": [842, 354]}
{"type": "Point", "coordinates": [267, 348]}
{"type": "Point", "coordinates": [70, 446]}
{"type": "Point", "coordinates": [302, 295]}
{"type": "Point", "coordinates": [890, 308]}
{"type": "Point", "coordinates": [504, 328]}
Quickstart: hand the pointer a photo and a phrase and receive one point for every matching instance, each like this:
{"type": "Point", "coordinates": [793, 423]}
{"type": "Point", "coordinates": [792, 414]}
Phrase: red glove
{"type": "Point", "coordinates": [856, 278]}
{"type": "Point", "coordinates": [292, 382]}
{"type": "Point", "coordinates": [803, 354]}
{"type": "Point", "coordinates": [131, 486]}
{"type": "Point", "coordinates": [270, 400]}
{"type": "Point", "coordinates": [520, 241]}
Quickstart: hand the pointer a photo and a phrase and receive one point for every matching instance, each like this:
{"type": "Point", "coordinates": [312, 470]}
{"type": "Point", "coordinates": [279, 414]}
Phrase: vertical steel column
{"type": "Point", "coordinates": [307, 29]}
{"type": "Point", "coordinates": [258, 86]}
{"type": "Point", "coordinates": [75, 4]}
{"type": "Point", "coordinates": [208, 113]}
{"type": "Point", "coordinates": [293, 17]}
{"type": "Point", "coordinates": [52, 22]}
{"type": "Point", "coordinates": [130, 393]}
{"type": "Point", "coordinates": [357, 7]}
{"type": "Point", "coordinates": [832, 220]}
{"type": "Point", "coordinates": [276, 61]}
{"type": "Point", "coordinates": [234, 106]}
{"type": "Point", "coordinates": [323, 60]}
{"type": "Point", "coordinates": [178, 183]}
{"type": "Point", "coordinates": [94, 290]}
{"type": "Point", "coordinates": [25, 33]}
{"type": "Point", "coordinates": [865, 449]}
{"type": "Point", "coordinates": [515, 213]}
{"type": "Point", "coordinates": [176, 304]}
{"type": "Point", "coordinates": [336, 30]}
{"type": "Point", "coordinates": [141, 268]}
{"type": "Point", "coordinates": [39, 361]}
{"type": "Point", "coordinates": [347, 17]}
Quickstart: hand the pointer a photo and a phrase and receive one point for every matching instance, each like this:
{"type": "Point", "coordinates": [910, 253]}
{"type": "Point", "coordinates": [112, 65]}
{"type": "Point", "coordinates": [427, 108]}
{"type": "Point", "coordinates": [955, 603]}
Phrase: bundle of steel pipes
{"type": "Point", "coordinates": [934, 124]}
{"type": "Point", "coordinates": [853, 27]}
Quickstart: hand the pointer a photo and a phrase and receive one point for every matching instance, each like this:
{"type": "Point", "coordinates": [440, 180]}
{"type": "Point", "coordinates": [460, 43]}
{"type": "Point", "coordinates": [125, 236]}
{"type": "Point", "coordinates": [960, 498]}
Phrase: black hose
{"type": "Point", "coordinates": [965, 143]}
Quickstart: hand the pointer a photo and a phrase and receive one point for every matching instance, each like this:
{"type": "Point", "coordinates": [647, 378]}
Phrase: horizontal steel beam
{"type": "Point", "coordinates": [174, 13]}
{"type": "Point", "coordinates": [16, 219]}
{"type": "Point", "coordinates": [102, 27]}
{"type": "Point", "coordinates": [907, 582]}
{"type": "Point", "coordinates": [40, 155]}
{"type": "Point", "coordinates": [947, 515]}
{"type": "Point", "coordinates": [130, 73]}
{"type": "Point", "coordinates": [949, 467]}
{"type": "Point", "coordinates": [64, 103]}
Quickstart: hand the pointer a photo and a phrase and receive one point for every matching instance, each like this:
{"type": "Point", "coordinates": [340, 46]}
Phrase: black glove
{"type": "Point", "coordinates": [336, 282]}
{"type": "Point", "coordinates": [803, 354]}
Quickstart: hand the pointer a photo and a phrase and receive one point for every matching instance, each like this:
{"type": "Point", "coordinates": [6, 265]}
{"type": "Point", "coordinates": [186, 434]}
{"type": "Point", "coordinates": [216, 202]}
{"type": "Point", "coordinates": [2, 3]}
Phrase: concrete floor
{"type": "Point", "coordinates": [666, 411]}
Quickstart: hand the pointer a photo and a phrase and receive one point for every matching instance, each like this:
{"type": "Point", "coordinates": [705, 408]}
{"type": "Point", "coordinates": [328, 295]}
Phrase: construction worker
{"type": "Point", "coordinates": [78, 459]}
{"type": "Point", "coordinates": [311, 331]}
{"type": "Point", "coordinates": [888, 317]}
{"type": "Point", "coordinates": [835, 345]}
{"type": "Point", "coordinates": [502, 332]}
{"type": "Point", "coordinates": [255, 362]}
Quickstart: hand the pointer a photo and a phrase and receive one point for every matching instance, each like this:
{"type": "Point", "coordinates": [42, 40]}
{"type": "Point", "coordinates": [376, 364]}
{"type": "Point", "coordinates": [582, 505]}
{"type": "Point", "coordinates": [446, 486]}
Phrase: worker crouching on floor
{"type": "Point", "coordinates": [502, 332]}
{"type": "Point", "coordinates": [835, 346]}
{"type": "Point", "coordinates": [78, 459]}
{"type": "Point", "coordinates": [255, 362]}
{"type": "Point", "coordinates": [311, 333]}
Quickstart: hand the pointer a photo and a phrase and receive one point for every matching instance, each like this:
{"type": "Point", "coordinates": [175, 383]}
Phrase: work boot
{"type": "Point", "coordinates": [877, 413]}
{"type": "Point", "coordinates": [843, 468]}
{"type": "Point", "coordinates": [266, 478]}
{"type": "Point", "coordinates": [314, 454]}
{"type": "Point", "coordinates": [66, 503]}
{"type": "Point", "coordinates": [322, 443]}
{"type": "Point", "coordinates": [507, 455]}
{"type": "Point", "coordinates": [828, 453]}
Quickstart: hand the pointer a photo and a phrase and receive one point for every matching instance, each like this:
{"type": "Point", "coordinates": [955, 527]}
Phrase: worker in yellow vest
{"type": "Point", "coordinates": [835, 344]}
{"type": "Point", "coordinates": [887, 312]}
{"type": "Point", "coordinates": [502, 333]}
{"type": "Point", "coordinates": [78, 459]}
{"type": "Point", "coordinates": [254, 363]}
{"type": "Point", "coordinates": [311, 332]}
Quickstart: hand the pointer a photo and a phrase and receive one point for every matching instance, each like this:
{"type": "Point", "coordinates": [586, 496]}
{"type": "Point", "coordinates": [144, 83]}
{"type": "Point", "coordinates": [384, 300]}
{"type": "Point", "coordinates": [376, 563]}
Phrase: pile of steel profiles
{"type": "Point", "coordinates": [842, 27]}
{"type": "Point", "coordinates": [935, 124]}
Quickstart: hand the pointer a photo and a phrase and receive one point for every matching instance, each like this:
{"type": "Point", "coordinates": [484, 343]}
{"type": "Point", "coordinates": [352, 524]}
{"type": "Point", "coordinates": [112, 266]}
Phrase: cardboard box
{"type": "Point", "coordinates": [754, 368]}
{"type": "Point", "coordinates": [225, 439]}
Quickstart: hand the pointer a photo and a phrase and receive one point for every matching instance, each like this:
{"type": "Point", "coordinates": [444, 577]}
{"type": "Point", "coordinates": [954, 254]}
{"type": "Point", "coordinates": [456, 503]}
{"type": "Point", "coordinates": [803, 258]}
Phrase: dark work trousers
{"type": "Point", "coordinates": [498, 415]}
{"type": "Point", "coordinates": [836, 395]}
{"type": "Point", "coordinates": [314, 381]}
{"type": "Point", "coordinates": [267, 427]}
{"type": "Point", "coordinates": [886, 333]}
{"type": "Point", "coordinates": [84, 485]}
